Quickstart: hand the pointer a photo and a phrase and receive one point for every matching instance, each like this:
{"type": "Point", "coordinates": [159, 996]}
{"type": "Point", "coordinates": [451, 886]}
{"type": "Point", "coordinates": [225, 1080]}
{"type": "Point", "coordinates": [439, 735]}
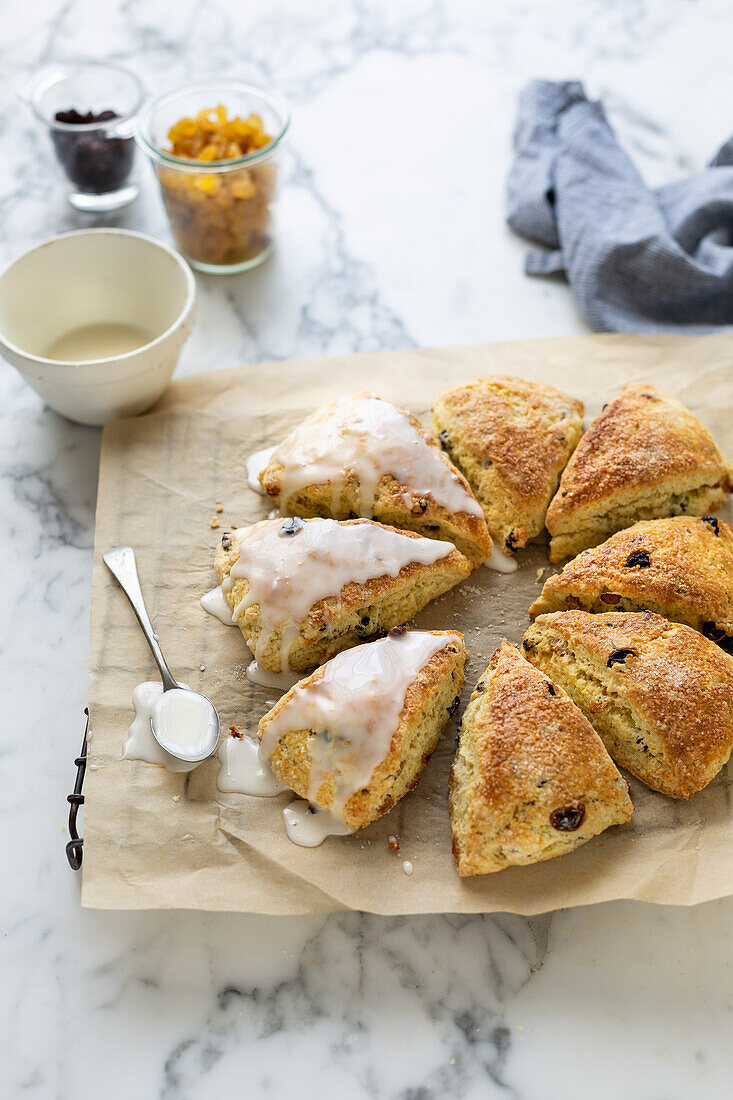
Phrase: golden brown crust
{"type": "Point", "coordinates": [531, 780]}
{"type": "Point", "coordinates": [511, 439]}
{"type": "Point", "coordinates": [358, 613]}
{"type": "Point", "coordinates": [681, 568]}
{"type": "Point", "coordinates": [430, 701]}
{"type": "Point", "coordinates": [644, 456]}
{"type": "Point", "coordinates": [423, 516]}
{"type": "Point", "coordinates": [659, 693]}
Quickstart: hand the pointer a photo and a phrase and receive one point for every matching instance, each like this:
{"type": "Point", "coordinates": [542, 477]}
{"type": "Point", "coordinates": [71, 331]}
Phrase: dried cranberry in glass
{"type": "Point", "coordinates": [94, 162]}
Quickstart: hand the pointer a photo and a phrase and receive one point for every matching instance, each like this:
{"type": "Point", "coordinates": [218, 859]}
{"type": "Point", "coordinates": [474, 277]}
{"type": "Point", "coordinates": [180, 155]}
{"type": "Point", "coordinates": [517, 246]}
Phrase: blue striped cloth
{"type": "Point", "coordinates": [637, 259]}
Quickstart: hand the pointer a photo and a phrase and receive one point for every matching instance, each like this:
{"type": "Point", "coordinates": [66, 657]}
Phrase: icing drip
{"type": "Point", "coordinates": [281, 681]}
{"type": "Point", "coordinates": [367, 438]}
{"type": "Point", "coordinates": [310, 827]}
{"type": "Point", "coordinates": [243, 771]}
{"type": "Point", "coordinates": [256, 463]}
{"type": "Point", "coordinates": [290, 567]}
{"type": "Point", "coordinates": [215, 603]}
{"type": "Point", "coordinates": [500, 562]}
{"type": "Point", "coordinates": [353, 704]}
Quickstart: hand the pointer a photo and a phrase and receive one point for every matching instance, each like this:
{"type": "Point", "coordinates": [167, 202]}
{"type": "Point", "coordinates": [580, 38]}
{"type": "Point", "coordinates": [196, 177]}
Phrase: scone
{"type": "Point", "coordinates": [512, 440]}
{"type": "Point", "coordinates": [362, 456]}
{"type": "Point", "coordinates": [303, 590]}
{"type": "Point", "coordinates": [354, 736]}
{"type": "Point", "coordinates": [681, 568]}
{"type": "Point", "coordinates": [658, 693]}
{"type": "Point", "coordinates": [645, 456]}
{"type": "Point", "coordinates": [531, 779]}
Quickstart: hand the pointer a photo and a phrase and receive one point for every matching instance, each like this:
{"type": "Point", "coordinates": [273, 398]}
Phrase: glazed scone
{"type": "Point", "coordinates": [681, 568]}
{"type": "Point", "coordinates": [645, 456]}
{"type": "Point", "coordinates": [362, 456]}
{"type": "Point", "coordinates": [512, 440]}
{"type": "Point", "coordinates": [354, 736]}
{"type": "Point", "coordinates": [531, 779]}
{"type": "Point", "coordinates": [303, 590]}
{"type": "Point", "coordinates": [658, 693]}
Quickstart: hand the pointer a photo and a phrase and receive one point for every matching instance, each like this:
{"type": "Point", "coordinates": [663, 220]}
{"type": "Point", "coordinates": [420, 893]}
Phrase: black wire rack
{"type": "Point", "coordinates": [75, 847]}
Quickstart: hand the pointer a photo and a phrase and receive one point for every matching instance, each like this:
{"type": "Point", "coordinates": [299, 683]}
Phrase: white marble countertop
{"type": "Point", "coordinates": [391, 235]}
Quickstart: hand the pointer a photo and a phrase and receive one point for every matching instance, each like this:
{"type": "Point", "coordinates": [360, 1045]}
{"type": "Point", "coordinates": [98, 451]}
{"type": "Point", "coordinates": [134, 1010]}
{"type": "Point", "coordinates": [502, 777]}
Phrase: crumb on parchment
{"type": "Point", "coordinates": [214, 522]}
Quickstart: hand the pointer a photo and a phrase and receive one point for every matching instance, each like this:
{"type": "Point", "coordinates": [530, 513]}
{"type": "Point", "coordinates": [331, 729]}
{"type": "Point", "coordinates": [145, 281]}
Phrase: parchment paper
{"type": "Point", "coordinates": [156, 840]}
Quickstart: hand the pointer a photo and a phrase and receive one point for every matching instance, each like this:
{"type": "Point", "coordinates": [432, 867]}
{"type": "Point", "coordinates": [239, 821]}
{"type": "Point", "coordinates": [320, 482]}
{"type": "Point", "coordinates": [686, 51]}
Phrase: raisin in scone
{"type": "Point", "coordinates": [512, 440]}
{"type": "Point", "coordinates": [362, 456]}
{"type": "Point", "coordinates": [659, 694]}
{"type": "Point", "coordinates": [354, 736]}
{"type": "Point", "coordinates": [681, 568]}
{"type": "Point", "coordinates": [303, 590]}
{"type": "Point", "coordinates": [531, 779]}
{"type": "Point", "coordinates": [645, 456]}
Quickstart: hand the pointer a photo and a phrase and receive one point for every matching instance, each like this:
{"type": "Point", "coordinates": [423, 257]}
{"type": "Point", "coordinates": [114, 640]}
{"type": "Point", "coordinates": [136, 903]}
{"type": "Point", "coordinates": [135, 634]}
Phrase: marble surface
{"type": "Point", "coordinates": [391, 235]}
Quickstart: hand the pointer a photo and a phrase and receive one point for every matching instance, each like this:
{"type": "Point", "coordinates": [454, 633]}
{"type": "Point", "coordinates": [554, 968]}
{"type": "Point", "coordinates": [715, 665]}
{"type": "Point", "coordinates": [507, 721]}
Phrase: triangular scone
{"type": "Point", "coordinates": [512, 439]}
{"type": "Point", "coordinates": [303, 590]}
{"type": "Point", "coordinates": [680, 567]}
{"type": "Point", "coordinates": [531, 779]}
{"type": "Point", "coordinates": [659, 694]}
{"type": "Point", "coordinates": [354, 736]}
{"type": "Point", "coordinates": [362, 456]}
{"type": "Point", "coordinates": [644, 457]}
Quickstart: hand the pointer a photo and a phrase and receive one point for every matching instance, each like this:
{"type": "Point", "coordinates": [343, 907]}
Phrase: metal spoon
{"type": "Point", "coordinates": [178, 710]}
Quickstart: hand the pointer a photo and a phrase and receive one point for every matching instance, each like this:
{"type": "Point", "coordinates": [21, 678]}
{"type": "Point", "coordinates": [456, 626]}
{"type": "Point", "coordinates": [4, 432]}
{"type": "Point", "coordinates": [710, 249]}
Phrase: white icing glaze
{"type": "Point", "coordinates": [215, 603]}
{"type": "Point", "coordinates": [310, 827]}
{"type": "Point", "coordinates": [282, 681]}
{"type": "Point", "coordinates": [243, 771]}
{"type": "Point", "coordinates": [500, 562]}
{"type": "Point", "coordinates": [288, 574]}
{"type": "Point", "coordinates": [141, 745]}
{"type": "Point", "coordinates": [256, 463]}
{"type": "Point", "coordinates": [354, 705]}
{"type": "Point", "coordinates": [367, 437]}
{"type": "Point", "coordinates": [185, 724]}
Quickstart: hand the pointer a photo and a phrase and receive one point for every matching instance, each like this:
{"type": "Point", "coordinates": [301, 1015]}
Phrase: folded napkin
{"type": "Point", "coordinates": [637, 259]}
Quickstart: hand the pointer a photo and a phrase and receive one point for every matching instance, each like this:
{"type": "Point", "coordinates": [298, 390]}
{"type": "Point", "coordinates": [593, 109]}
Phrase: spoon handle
{"type": "Point", "coordinates": [122, 565]}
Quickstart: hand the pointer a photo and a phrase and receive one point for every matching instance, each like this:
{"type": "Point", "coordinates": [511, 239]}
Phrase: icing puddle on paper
{"type": "Point", "coordinates": [256, 463]}
{"type": "Point", "coordinates": [244, 771]}
{"type": "Point", "coordinates": [499, 562]}
{"type": "Point", "coordinates": [140, 744]}
{"type": "Point", "coordinates": [215, 603]}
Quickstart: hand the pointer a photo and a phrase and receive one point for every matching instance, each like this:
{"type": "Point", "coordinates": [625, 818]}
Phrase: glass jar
{"type": "Point", "coordinates": [221, 212]}
{"type": "Point", "coordinates": [89, 110]}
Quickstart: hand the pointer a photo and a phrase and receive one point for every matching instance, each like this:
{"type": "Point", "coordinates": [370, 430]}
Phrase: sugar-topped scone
{"type": "Point", "coordinates": [658, 693]}
{"type": "Point", "coordinates": [303, 590]}
{"type": "Point", "coordinates": [531, 779]}
{"type": "Point", "coordinates": [512, 440]}
{"type": "Point", "coordinates": [681, 568]}
{"type": "Point", "coordinates": [645, 456]}
{"type": "Point", "coordinates": [354, 736]}
{"type": "Point", "coordinates": [362, 456]}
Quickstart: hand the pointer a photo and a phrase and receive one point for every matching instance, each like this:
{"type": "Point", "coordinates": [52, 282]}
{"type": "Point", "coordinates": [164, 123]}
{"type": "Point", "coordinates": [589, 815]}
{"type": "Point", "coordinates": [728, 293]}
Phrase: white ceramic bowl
{"type": "Point", "coordinates": [91, 277]}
